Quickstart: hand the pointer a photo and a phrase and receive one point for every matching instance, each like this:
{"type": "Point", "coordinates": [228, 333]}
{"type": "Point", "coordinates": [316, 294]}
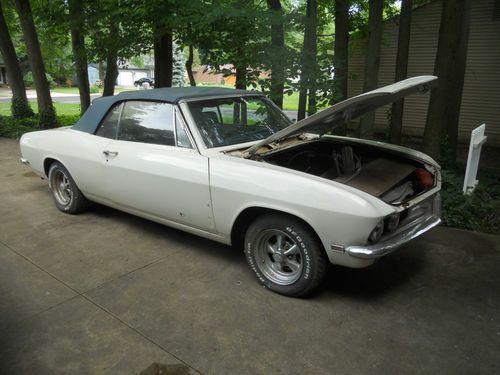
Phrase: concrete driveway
{"type": "Point", "coordinates": [106, 292]}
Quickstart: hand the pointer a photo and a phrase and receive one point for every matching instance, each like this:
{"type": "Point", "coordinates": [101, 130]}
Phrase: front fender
{"type": "Point", "coordinates": [337, 214]}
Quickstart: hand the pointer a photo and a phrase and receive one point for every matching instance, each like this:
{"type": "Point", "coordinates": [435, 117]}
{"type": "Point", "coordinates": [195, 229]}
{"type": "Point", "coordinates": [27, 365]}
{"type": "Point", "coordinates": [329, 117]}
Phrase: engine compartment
{"type": "Point", "coordinates": [393, 178]}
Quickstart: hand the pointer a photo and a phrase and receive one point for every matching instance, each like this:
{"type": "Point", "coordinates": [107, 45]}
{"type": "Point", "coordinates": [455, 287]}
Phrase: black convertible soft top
{"type": "Point", "coordinates": [92, 117]}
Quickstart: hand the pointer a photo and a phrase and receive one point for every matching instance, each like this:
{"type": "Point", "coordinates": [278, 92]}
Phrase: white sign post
{"type": "Point", "coordinates": [477, 140]}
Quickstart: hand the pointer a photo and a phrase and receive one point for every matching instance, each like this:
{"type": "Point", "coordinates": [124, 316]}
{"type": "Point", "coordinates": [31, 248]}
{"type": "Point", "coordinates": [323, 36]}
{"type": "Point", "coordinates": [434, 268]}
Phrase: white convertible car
{"type": "Point", "coordinates": [230, 166]}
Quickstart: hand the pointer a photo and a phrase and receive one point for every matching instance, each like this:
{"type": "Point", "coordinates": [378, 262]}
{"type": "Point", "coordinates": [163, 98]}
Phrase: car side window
{"type": "Point", "coordinates": [147, 122]}
{"type": "Point", "coordinates": [182, 137]}
{"type": "Point", "coordinates": [109, 126]}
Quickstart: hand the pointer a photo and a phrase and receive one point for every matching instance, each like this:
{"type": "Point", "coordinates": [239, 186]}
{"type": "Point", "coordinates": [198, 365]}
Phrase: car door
{"type": "Point", "coordinates": [152, 167]}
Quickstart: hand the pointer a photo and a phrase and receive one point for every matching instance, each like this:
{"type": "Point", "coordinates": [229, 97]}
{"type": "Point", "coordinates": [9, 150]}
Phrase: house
{"type": "Point", "coordinates": [481, 92]}
{"type": "Point", "coordinates": [206, 74]}
{"type": "Point", "coordinates": [128, 73]}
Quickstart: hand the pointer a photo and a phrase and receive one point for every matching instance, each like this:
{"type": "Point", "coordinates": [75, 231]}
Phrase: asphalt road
{"type": "Point", "coordinates": [107, 292]}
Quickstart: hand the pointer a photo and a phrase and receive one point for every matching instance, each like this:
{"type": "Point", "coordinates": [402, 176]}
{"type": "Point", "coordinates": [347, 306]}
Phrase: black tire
{"type": "Point", "coordinates": [67, 197]}
{"type": "Point", "coordinates": [266, 255]}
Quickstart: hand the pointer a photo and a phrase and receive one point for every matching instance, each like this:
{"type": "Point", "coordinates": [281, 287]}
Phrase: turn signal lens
{"type": "Point", "coordinates": [377, 232]}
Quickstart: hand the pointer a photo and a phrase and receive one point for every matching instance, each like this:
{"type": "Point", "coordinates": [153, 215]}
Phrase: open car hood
{"type": "Point", "coordinates": [340, 113]}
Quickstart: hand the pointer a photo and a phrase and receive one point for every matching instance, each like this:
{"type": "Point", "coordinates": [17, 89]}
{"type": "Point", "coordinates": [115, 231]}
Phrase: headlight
{"type": "Point", "coordinates": [392, 222]}
{"type": "Point", "coordinates": [377, 232]}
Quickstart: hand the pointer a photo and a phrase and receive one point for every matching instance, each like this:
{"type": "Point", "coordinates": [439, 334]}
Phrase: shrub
{"type": "Point", "coordinates": [20, 108]}
{"type": "Point", "coordinates": [11, 127]}
{"type": "Point", "coordinates": [94, 89]}
{"type": "Point", "coordinates": [67, 120]}
{"type": "Point", "coordinates": [478, 211]}
{"type": "Point", "coordinates": [47, 119]}
{"type": "Point", "coordinates": [29, 81]}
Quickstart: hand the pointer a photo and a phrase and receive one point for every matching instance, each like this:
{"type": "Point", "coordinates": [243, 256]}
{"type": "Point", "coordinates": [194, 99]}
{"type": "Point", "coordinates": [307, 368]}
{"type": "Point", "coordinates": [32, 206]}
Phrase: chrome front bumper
{"type": "Point", "coordinates": [425, 216]}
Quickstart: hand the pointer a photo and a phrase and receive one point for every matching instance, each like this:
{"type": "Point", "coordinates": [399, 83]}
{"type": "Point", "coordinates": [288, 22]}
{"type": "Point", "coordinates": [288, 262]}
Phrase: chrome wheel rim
{"type": "Point", "coordinates": [61, 187]}
{"type": "Point", "coordinates": [278, 257]}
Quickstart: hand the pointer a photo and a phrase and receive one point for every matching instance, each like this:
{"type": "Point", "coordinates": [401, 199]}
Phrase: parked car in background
{"type": "Point", "coordinates": [142, 80]}
{"type": "Point", "coordinates": [230, 166]}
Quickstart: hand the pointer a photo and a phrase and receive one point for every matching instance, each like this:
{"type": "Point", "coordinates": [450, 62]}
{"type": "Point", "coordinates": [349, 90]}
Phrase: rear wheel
{"type": "Point", "coordinates": [285, 255]}
{"type": "Point", "coordinates": [67, 197]}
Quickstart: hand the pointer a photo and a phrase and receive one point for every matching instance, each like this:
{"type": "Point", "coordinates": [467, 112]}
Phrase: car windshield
{"type": "Point", "coordinates": [229, 121]}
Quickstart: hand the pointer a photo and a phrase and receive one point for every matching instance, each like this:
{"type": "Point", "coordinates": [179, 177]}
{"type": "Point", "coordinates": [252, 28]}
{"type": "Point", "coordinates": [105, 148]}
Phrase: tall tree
{"type": "Point", "coordinates": [307, 76]}
{"type": "Point", "coordinates": [232, 38]}
{"type": "Point", "coordinates": [278, 52]}
{"type": "Point", "coordinates": [79, 51]}
{"type": "Point", "coordinates": [372, 62]}
{"type": "Point", "coordinates": [341, 49]}
{"type": "Point", "coordinates": [401, 68]}
{"type": "Point", "coordinates": [189, 66]}
{"type": "Point", "coordinates": [117, 31]}
{"type": "Point", "coordinates": [111, 59]}
{"type": "Point", "coordinates": [178, 66]}
{"type": "Point", "coordinates": [163, 56]}
{"type": "Point", "coordinates": [20, 105]}
{"type": "Point", "coordinates": [47, 114]}
{"type": "Point", "coordinates": [241, 61]}
{"type": "Point", "coordinates": [441, 128]}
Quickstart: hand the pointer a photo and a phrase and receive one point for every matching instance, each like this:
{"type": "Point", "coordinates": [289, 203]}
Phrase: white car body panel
{"type": "Point", "coordinates": [337, 213]}
{"type": "Point", "coordinates": [152, 173]}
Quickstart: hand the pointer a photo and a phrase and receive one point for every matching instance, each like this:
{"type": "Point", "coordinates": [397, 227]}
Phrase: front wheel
{"type": "Point", "coordinates": [285, 255]}
{"type": "Point", "coordinates": [67, 197]}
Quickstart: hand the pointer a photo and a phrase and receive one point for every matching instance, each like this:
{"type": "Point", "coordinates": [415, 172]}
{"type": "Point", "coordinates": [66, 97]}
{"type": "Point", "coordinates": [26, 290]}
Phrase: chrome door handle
{"type": "Point", "coordinates": [110, 153]}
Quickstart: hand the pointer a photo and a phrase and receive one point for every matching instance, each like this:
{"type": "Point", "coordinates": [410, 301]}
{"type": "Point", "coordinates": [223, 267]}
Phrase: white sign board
{"type": "Point", "coordinates": [477, 140]}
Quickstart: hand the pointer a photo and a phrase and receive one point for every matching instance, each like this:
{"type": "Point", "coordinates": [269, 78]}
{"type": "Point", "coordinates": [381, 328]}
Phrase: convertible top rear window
{"type": "Point", "coordinates": [228, 121]}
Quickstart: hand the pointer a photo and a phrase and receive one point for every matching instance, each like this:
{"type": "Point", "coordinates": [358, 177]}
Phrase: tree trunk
{"type": "Point", "coordinates": [401, 69]}
{"type": "Point", "coordinates": [79, 52]}
{"type": "Point", "coordinates": [441, 128]}
{"type": "Point", "coordinates": [341, 49]}
{"type": "Point", "coordinates": [47, 114]}
{"type": "Point", "coordinates": [372, 62]}
{"type": "Point", "coordinates": [241, 77]}
{"type": "Point", "coordinates": [111, 62]}
{"type": "Point", "coordinates": [111, 74]}
{"type": "Point", "coordinates": [189, 67]}
{"type": "Point", "coordinates": [163, 60]}
{"type": "Point", "coordinates": [308, 76]}
{"type": "Point", "coordinates": [312, 58]}
{"type": "Point", "coordinates": [279, 53]}
{"type": "Point", "coordinates": [20, 105]}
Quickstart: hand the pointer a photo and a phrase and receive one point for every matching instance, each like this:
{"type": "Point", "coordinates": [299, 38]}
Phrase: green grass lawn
{"type": "Point", "coordinates": [66, 90]}
{"type": "Point", "coordinates": [69, 109]}
{"type": "Point", "coordinates": [291, 102]}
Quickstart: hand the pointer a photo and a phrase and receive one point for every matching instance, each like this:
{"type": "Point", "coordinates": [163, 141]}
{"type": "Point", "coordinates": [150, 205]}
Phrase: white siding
{"type": "Point", "coordinates": [481, 95]}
